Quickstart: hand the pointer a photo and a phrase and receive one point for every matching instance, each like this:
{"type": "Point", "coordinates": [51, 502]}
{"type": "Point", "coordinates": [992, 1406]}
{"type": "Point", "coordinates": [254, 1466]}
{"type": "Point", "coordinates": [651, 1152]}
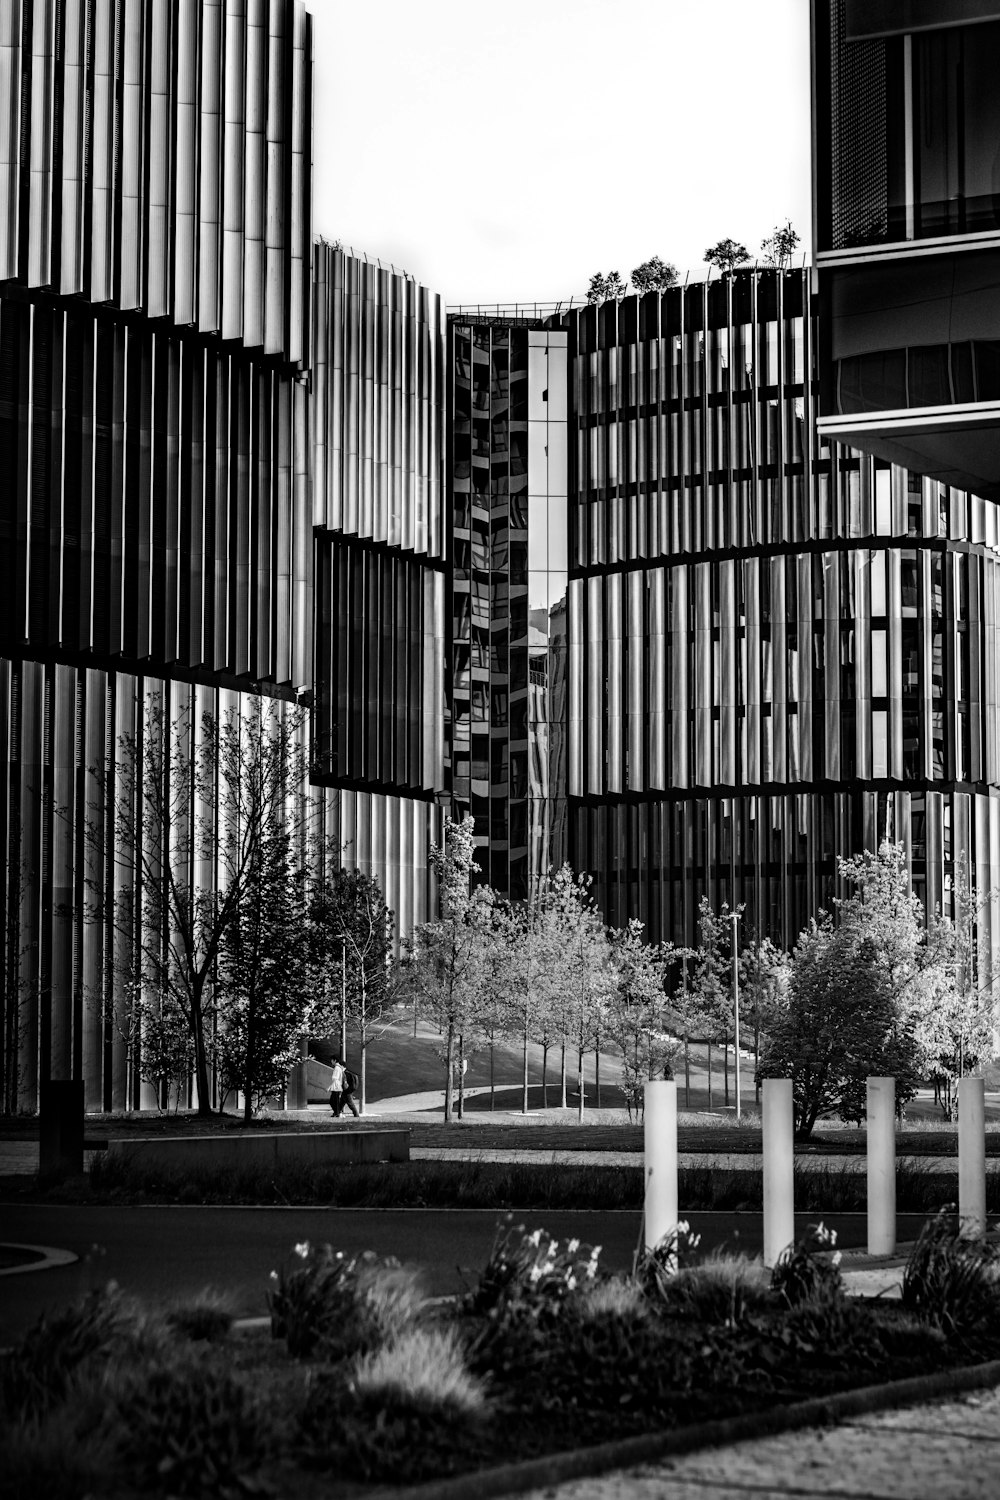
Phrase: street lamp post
{"type": "Point", "coordinates": [734, 917]}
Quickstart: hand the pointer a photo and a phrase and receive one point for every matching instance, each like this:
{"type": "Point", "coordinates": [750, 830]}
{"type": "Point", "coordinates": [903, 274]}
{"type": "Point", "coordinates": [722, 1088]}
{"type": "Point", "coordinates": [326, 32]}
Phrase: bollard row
{"type": "Point", "coordinates": [660, 1145]}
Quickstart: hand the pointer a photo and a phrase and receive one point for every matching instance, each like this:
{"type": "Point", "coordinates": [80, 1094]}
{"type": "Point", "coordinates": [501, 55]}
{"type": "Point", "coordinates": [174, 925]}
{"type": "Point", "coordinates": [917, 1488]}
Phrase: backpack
{"type": "Point", "coordinates": [350, 1081]}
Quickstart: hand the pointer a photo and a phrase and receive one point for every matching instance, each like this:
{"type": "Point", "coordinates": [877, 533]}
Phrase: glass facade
{"type": "Point", "coordinates": [906, 179]}
{"type": "Point", "coordinates": [507, 485]}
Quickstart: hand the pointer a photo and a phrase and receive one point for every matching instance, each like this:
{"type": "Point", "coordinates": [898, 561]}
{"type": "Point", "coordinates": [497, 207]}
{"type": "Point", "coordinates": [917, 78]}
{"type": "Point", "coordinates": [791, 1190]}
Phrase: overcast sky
{"type": "Point", "coordinates": [504, 151]}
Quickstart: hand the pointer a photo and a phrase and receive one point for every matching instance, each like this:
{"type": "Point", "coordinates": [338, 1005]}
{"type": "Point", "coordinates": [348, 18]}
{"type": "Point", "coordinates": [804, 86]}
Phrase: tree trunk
{"type": "Point", "coordinates": [597, 1069]}
{"type": "Point", "coordinates": [524, 1102]}
{"type": "Point", "coordinates": [579, 1079]}
{"type": "Point", "coordinates": [562, 1073]}
{"type": "Point", "coordinates": [363, 1065]}
{"type": "Point", "coordinates": [492, 1082]}
{"type": "Point", "coordinates": [200, 1055]}
{"type": "Point", "coordinates": [449, 1071]}
{"type": "Point", "coordinates": [545, 1075]}
{"type": "Point", "coordinates": [756, 1060]}
{"type": "Point", "coordinates": [248, 1064]}
{"type": "Point", "coordinates": [343, 1004]}
{"type": "Point", "coordinates": [709, 1048]}
{"type": "Point", "coordinates": [461, 1076]}
{"type": "Point", "coordinates": [725, 1069]}
{"type": "Point", "coordinates": [687, 1073]}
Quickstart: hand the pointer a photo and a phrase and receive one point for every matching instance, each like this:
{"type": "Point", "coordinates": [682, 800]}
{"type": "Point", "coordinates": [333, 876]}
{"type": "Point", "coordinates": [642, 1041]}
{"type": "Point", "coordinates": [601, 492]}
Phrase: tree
{"type": "Point", "coordinates": [193, 800]}
{"type": "Point", "coordinates": [352, 931]}
{"type": "Point", "coordinates": [764, 976]}
{"type": "Point", "coordinates": [855, 994]}
{"type": "Point", "coordinates": [710, 982]}
{"type": "Point", "coordinates": [779, 246]}
{"type": "Point", "coordinates": [602, 288]}
{"type": "Point", "coordinates": [634, 1018]}
{"type": "Point", "coordinates": [726, 255]}
{"type": "Point", "coordinates": [653, 275]}
{"type": "Point", "coordinates": [261, 980]}
{"type": "Point", "coordinates": [954, 1028]}
{"type": "Point", "coordinates": [445, 958]}
{"type": "Point", "coordinates": [584, 978]}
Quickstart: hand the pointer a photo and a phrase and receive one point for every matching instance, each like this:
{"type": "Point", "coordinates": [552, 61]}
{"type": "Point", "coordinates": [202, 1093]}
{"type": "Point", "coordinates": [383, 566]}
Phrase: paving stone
{"type": "Point", "coordinates": [947, 1450]}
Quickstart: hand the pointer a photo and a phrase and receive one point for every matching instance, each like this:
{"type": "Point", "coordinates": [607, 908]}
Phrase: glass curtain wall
{"type": "Point", "coordinates": [508, 482]}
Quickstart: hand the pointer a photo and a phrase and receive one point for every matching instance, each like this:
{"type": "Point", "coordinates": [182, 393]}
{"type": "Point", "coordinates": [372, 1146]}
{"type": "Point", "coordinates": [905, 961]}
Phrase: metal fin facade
{"type": "Point", "coordinates": [157, 155]}
{"type": "Point", "coordinates": [780, 650]}
{"type": "Point", "coordinates": [176, 480]}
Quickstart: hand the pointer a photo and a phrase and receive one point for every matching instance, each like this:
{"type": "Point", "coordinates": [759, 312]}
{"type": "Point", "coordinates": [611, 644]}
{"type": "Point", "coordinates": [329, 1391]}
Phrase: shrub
{"type": "Point", "coordinates": [410, 1411]}
{"type": "Point", "coordinates": [614, 1296]}
{"type": "Point", "coordinates": [54, 1455]}
{"type": "Point", "coordinates": [424, 1366]}
{"type": "Point", "coordinates": [807, 1272]}
{"type": "Point", "coordinates": [723, 1289]}
{"type": "Point", "coordinates": [206, 1317]}
{"type": "Point", "coordinates": [328, 1304]}
{"type": "Point", "coordinates": [192, 1430]}
{"type": "Point", "coordinates": [36, 1374]}
{"type": "Point", "coordinates": [952, 1281]}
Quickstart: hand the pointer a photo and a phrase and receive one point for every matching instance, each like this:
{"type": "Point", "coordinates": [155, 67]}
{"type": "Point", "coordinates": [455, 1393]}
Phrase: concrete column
{"type": "Point", "coordinates": [972, 1158]}
{"type": "Point", "coordinates": [881, 1122]}
{"type": "Point", "coordinates": [660, 1145]}
{"type": "Point", "coordinates": [779, 1168]}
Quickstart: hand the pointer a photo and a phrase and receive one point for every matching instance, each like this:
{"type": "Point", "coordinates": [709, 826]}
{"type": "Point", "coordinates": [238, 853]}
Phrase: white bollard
{"type": "Point", "coordinates": [779, 1168]}
{"type": "Point", "coordinates": [881, 1123]}
{"type": "Point", "coordinates": [660, 1145]}
{"type": "Point", "coordinates": [972, 1158]}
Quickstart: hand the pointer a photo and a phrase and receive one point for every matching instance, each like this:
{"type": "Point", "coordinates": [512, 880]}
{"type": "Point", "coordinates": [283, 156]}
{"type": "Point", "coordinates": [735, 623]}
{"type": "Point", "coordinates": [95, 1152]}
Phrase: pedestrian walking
{"type": "Point", "coordinates": [337, 1071]}
{"type": "Point", "coordinates": [347, 1095]}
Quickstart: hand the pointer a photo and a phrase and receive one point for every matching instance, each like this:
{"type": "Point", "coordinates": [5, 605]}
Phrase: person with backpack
{"type": "Point", "coordinates": [347, 1095]}
{"type": "Point", "coordinates": [337, 1072]}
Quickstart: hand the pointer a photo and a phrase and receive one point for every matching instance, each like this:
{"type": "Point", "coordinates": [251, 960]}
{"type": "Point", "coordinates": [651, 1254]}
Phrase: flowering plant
{"type": "Point", "coordinates": [337, 1305]}
{"type": "Point", "coordinates": [654, 1267]}
{"type": "Point", "coordinates": [533, 1269]}
{"type": "Point", "coordinates": [809, 1270]}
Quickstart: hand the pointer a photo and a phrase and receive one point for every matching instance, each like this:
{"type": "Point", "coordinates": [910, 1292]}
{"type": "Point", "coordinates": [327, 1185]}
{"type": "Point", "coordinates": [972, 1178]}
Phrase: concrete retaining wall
{"type": "Point", "coordinates": [317, 1148]}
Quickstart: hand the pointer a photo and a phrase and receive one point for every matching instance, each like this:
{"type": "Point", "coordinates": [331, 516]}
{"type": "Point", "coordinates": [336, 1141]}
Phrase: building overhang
{"type": "Point", "coordinates": [957, 445]}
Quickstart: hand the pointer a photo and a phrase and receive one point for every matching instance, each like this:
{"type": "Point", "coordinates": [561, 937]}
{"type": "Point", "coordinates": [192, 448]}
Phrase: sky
{"type": "Point", "coordinates": [505, 151]}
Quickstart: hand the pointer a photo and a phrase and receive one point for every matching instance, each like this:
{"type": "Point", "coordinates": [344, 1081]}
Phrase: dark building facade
{"type": "Point", "coordinates": [906, 119]}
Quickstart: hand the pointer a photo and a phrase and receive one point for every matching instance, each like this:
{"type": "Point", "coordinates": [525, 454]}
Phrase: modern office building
{"type": "Point", "coordinates": [616, 578]}
{"type": "Point", "coordinates": [778, 650]}
{"type": "Point", "coordinates": [906, 232]}
{"type": "Point", "coordinates": [199, 424]}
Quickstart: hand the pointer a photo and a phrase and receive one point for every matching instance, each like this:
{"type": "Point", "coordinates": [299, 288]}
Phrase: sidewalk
{"type": "Point", "coordinates": [942, 1450]}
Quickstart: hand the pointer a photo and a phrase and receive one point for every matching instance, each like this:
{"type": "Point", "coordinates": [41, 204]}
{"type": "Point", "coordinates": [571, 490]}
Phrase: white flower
{"type": "Point", "coordinates": [595, 1253]}
{"type": "Point", "coordinates": [683, 1227]}
{"type": "Point", "coordinates": [534, 1274]}
{"type": "Point", "coordinates": [572, 1246]}
{"type": "Point", "coordinates": [571, 1282]}
{"type": "Point", "coordinates": [536, 1238]}
{"type": "Point", "coordinates": [302, 1249]}
{"type": "Point", "coordinates": [273, 1276]}
{"type": "Point", "coordinates": [835, 1258]}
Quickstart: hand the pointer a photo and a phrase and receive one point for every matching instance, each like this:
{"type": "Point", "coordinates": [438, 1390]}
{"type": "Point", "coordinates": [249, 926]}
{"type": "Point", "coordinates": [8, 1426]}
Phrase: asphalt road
{"type": "Point", "coordinates": [164, 1252]}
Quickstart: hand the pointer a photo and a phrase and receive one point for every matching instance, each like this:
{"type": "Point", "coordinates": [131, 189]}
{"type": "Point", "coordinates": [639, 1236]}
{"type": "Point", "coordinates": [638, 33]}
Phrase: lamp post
{"type": "Point", "coordinates": [734, 917]}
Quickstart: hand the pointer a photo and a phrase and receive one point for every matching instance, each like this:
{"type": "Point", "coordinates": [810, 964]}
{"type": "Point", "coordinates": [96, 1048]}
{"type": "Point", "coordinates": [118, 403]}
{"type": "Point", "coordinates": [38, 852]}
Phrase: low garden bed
{"type": "Point", "coordinates": [363, 1382]}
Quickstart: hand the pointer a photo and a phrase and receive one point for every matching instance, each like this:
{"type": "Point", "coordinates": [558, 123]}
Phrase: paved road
{"type": "Point", "coordinates": [165, 1251]}
{"type": "Point", "coordinates": [948, 1450]}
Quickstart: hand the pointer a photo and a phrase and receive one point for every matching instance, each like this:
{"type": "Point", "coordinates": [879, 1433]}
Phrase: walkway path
{"type": "Point", "coordinates": [948, 1450]}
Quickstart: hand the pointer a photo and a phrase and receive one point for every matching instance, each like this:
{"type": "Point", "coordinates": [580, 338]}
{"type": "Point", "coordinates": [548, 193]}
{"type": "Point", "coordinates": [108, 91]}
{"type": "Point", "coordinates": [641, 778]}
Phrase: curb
{"type": "Point", "coordinates": [50, 1257]}
{"type": "Point", "coordinates": [585, 1463]}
